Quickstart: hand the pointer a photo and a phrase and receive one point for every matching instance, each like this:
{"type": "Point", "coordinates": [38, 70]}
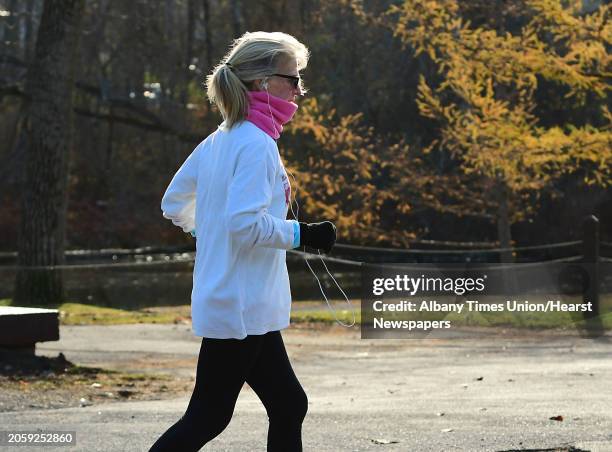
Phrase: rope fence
{"type": "Point", "coordinates": [110, 252]}
{"type": "Point", "coordinates": [152, 250]}
{"type": "Point", "coordinates": [312, 256]}
{"type": "Point", "coordinates": [466, 251]}
{"type": "Point", "coordinates": [151, 263]}
{"type": "Point", "coordinates": [189, 258]}
{"type": "Point", "coordinates": [155, 250]}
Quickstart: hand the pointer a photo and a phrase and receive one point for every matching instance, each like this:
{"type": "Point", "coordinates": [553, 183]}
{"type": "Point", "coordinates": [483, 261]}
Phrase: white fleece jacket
{"type": "Point", "coordinates": [234, 191]}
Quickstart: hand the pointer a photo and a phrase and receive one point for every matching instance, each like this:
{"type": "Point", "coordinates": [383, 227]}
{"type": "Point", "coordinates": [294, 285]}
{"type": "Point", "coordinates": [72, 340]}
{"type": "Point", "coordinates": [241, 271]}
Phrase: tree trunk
{"type": "Point", "coordinates": [505, 238]}
{"type": "Point", "coordinates": [191, 21]}
{"type": "Point", "coordinates": [236, 6]}
{"type": "Point", "coordinates": [29, 31]}
{"type": "Point", "coordinates": [49, 88]}
{"type": "Point", "coordinates": [504, 233]}
{"type": "Point", "coordinates": [208, 37]}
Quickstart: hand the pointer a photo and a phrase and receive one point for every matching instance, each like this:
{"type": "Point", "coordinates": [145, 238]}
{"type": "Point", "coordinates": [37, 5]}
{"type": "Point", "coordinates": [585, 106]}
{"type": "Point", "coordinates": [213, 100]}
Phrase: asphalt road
{"type": "Point", "coordinates": [491, 394]}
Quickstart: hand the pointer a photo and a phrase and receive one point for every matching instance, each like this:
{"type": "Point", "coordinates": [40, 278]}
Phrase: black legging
{"type": "Point", "coordinates": [224, 365]}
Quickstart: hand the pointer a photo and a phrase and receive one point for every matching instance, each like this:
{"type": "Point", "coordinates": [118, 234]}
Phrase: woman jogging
{"type": "Point", "coordinates": [233, 194]}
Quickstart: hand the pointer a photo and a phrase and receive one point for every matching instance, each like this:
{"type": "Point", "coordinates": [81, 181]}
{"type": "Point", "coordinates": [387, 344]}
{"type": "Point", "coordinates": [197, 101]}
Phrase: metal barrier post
{"type": "Point", "coordinates": [591, 259]}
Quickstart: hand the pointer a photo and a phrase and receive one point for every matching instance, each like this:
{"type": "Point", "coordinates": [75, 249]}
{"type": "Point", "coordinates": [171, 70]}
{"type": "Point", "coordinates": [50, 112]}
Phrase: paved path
{"type": "Point", "coordinates": [493, 394]}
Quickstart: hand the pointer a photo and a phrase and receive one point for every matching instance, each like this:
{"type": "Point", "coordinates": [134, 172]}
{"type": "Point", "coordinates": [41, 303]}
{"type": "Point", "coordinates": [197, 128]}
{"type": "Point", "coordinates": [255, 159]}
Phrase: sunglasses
{"type": "Point", "coordinates": [295, 81]}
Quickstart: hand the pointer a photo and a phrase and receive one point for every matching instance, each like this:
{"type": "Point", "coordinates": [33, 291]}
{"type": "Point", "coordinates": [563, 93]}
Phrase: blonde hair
{"type": "Point", "coordinates": [252, 56]}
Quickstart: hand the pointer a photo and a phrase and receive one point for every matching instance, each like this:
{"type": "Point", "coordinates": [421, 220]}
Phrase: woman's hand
{"type": "Point", "coordinates": [318, 235]}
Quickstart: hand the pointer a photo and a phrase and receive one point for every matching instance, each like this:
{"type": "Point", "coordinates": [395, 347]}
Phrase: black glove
{"type": "Point", "coordinates": [318, 235]}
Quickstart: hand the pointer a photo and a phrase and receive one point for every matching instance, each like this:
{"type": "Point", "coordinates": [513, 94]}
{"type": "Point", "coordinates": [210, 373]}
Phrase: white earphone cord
{"type": "Point", "coordinates": [295, 216]}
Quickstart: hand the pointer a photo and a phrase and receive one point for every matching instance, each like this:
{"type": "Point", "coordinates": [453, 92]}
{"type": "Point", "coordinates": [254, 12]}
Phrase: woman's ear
{"type": "Point", "coordinates": [256, 84]}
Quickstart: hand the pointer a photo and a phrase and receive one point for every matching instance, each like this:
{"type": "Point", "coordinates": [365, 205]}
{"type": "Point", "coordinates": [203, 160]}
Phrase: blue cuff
{"type": "Point", "coordinates": [193, 233]}
{"type": "Point", "coordinates": [296, 234]}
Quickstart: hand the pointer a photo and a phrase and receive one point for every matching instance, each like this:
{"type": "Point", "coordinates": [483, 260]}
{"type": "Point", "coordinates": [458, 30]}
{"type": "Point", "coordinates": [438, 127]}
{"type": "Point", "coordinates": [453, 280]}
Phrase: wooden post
{"type": "Point", "coordinates": [591, 259]}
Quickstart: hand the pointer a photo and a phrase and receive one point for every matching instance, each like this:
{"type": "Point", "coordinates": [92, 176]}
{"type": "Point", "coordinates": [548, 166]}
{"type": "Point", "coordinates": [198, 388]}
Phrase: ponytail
{"type": "Point", "coordinates": [228, 92]}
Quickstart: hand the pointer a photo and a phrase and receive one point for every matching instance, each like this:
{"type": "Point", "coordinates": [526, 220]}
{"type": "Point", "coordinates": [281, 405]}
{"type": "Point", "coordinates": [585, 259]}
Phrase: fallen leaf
{"type": "Point", "coordinates": [557, 418]}
{"type": "Point", "coordinates": [384, 441]}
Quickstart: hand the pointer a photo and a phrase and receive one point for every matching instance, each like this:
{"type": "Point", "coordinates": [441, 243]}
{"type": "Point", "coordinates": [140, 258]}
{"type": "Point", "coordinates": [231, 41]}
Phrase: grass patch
{"type": "Point", "coordinates": [85, 314]}
{"type": "Point", "coordinates": [82, 314]}
{"type": "Point", "coordinates": [315, 312]}
{"type": "Point", "coordinates": [325, 316]}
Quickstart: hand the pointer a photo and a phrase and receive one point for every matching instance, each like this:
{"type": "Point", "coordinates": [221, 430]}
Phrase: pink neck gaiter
{"type": "Point", "coordinates": [269, 112]}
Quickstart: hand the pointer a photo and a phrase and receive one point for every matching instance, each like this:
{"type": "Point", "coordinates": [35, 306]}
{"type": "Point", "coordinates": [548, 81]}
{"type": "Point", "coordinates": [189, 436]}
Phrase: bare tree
{"type": "Point", "coordinates": [49, 89]}
{"type": "Point", "coordinates": [237, 22]}
{"type": "Point", "coordinates": [207, 35]}
{"type": "Point", "coordinates": [29, 30]}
